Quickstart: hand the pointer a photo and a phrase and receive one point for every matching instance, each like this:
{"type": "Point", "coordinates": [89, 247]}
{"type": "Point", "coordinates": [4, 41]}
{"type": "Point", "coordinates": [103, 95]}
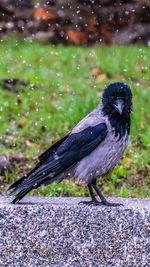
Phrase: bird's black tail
{"type": "Point", "coordinates": [39, 175]}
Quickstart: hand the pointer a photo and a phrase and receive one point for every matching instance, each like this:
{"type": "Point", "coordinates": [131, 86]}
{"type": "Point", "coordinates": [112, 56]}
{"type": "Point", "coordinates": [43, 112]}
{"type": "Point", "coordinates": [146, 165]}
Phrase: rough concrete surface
{"type": "Point", "coordinates": [58, 232]}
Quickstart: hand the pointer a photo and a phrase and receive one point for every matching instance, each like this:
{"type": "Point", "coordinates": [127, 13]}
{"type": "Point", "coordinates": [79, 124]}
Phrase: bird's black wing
{"type": "Point", "coordinates": [60, 157]}
{"type": "Point", "coordinates": [79, 145]}
{"type": "Point", "coordinates": [44, 156]}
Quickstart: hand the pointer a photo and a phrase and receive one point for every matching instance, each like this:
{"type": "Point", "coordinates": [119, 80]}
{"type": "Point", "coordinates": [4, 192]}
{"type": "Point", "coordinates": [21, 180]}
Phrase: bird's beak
{"type": "Point", "coordinates": [119, 105]}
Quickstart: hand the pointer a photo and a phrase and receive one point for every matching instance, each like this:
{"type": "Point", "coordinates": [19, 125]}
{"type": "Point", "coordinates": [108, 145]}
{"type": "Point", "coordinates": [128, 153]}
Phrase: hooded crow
{"type": "Point", "coordinates": [91, 150]}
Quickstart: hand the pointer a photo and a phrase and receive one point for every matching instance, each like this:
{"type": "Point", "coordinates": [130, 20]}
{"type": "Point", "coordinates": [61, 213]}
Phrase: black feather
{"type": "Point", "coordinates": [44, 156]}
{"type": "Point", "coordinates": [60, 157]}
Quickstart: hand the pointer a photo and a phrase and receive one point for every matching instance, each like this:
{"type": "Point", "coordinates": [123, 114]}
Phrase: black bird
{"type": "Point", "coordinates": [89, 151]}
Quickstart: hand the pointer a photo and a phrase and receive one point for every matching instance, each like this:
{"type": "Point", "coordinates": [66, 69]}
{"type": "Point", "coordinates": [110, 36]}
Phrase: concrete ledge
{"type": "Point", "coordinates": [59, 232]}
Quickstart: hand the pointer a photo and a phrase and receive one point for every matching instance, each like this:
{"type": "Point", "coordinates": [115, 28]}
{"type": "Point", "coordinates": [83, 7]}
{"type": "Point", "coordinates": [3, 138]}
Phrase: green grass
{"type": "Point", "coordinates": [33, 119]}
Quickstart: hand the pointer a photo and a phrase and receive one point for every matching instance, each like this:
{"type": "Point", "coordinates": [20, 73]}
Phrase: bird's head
{"type": "Point", "coordinates": [117, 100]}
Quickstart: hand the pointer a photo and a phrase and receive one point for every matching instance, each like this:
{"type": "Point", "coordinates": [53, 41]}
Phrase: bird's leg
{"type": "Point", "coordinates": [93, 200]}
{"type": "Point", "coordinates": [103, 199]}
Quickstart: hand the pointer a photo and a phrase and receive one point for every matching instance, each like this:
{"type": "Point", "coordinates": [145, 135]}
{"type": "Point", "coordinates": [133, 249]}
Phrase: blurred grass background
{"type": "Point", "coordinates": [68, 84]}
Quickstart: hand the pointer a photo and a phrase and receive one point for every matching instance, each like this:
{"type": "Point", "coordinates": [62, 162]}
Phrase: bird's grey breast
{"type": "Point", "coordinates": [103, 159]}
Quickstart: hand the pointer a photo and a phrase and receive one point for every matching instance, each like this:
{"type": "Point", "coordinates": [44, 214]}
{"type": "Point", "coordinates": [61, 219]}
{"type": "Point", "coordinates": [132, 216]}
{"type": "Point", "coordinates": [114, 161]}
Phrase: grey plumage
{"type": "Point", "coordinates": [104, 158]}
{"type": "Point", "coordinates": [92, 149]}
{"type": "Point", "coordinates": [106, 155]}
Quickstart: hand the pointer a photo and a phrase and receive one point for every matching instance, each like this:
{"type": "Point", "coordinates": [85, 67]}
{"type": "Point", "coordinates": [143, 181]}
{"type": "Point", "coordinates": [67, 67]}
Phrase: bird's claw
{"type": "Point", "coordinates": [98, 203]}
{"type": "Point", "coordinates": [91, 202]}
{"type": "Point", "coordinates": [110, 204]}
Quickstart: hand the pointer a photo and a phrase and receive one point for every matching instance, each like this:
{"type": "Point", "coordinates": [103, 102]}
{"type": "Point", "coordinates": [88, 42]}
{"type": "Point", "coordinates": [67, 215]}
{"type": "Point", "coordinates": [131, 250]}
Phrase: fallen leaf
{"type": "Point", "coordinates": [127, 162]}
{"type": "Point", "coordinates": [67, 89]}
{"type": "Point", "coordinates": [76, 37]}
{"type": "Point", "coordinates": [22, 122]}
{"type": "Point", "coordinates": [96, 71]}
{"type": "Point", "coordinates": [101, 77]}
{"type": "Point", "coordinates": [45, 14]}
{"type": "Point", "coordinates": [99, 74]}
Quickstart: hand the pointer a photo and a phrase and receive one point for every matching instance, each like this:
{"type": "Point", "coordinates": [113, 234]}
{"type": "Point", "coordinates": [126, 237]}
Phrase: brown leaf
{"type": "Point", "coordinates": [44, 14]}
{"type": "Point", "coordinates": [21, 123]}
{"type": "Point", "coordinates": [76, 37]}
{"type": "Point", "coordinates": [67, 89]}
{"type": "Point", "coordinates": [99, 74]}
{"type": "Point", "coordinates": [101, 77]}
{"type": "Point", "coordinates": [96, 71]}
{"type": "Point", "coordinates": [127, 162]}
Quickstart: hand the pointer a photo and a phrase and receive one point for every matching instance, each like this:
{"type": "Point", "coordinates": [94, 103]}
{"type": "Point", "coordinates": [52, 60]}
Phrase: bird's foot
{"type": "Point", "coordinates": [91, 202]}
{"type": "Point", "coordinates": [110, 204]}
